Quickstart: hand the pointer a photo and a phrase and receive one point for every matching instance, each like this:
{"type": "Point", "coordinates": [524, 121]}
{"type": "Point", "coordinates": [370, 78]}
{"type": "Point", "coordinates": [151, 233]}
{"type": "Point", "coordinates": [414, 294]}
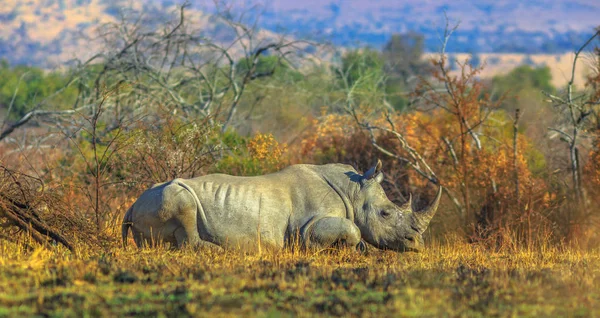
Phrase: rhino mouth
{"type": "Point", "coordinates": [401, 249]}
{"type": "Point", "coordinates": [411, 249]}
{"type": "Point", "coordinates": [401, 246]}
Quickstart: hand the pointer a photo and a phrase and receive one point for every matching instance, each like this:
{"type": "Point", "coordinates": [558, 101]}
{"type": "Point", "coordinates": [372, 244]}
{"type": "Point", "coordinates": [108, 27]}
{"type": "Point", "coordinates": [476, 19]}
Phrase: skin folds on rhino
{"type": "Point", "coordinates": [316, 206]}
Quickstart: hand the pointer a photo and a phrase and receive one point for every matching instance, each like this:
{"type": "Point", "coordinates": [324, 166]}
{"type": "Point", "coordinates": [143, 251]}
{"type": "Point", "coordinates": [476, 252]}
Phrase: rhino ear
{"type": "Point", "coordinates": [375, 172]}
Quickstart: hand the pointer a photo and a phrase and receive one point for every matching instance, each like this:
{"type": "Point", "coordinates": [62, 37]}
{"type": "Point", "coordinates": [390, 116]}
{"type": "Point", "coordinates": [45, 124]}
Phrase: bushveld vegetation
{"type": "Point", "coordinates": [516, 232]}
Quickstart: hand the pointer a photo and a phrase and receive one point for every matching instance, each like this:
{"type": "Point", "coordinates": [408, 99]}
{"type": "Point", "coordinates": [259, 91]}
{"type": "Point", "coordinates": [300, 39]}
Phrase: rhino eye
{"type": "Point", "coordinates": [384, 213]}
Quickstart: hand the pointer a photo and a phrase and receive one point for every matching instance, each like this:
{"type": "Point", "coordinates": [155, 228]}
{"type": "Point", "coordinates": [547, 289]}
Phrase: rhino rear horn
{"type": "Point", "coordinates": [422, 218]}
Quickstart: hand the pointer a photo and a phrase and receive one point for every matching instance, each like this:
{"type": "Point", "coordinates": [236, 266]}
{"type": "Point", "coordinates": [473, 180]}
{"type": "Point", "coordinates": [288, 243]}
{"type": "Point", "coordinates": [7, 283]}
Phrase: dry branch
{"type": "Point", "coordinates": [576, 118]}
{"type": "Point", "coordinates": [16, 207]}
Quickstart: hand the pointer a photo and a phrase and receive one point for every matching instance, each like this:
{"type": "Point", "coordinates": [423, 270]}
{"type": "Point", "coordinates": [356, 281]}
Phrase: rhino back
{"type": "Point", "coordinates": [237, 209]}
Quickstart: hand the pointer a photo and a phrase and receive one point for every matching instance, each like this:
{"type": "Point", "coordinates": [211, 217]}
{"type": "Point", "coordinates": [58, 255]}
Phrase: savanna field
{"type": "Point", "coordinates": [518, 159]}
{"type": "Point", "coordinates": [449, 279]}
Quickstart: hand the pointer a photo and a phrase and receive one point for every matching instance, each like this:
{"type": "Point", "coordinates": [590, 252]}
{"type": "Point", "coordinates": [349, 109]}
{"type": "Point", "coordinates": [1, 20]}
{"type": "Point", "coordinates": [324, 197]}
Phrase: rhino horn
{"type": "Point", "coordinates": [422, 218]}
{"type": "Point", "coordinates": [408, 204]}
{"type": "Point", "coordinates": [374, 170]}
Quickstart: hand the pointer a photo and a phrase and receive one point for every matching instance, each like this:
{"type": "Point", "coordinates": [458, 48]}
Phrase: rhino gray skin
{"type": "Point", "coordinates": [314, 205]}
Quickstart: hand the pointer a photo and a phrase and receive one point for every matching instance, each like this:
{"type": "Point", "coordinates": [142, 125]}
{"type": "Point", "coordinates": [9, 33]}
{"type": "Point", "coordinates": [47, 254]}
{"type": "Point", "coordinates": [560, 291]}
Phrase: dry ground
{"type": "Point", "coordinates": [451, 279]}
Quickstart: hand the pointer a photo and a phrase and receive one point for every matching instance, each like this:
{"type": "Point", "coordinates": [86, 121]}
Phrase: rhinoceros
{"type": "Point", "coordinates": [315, 205]}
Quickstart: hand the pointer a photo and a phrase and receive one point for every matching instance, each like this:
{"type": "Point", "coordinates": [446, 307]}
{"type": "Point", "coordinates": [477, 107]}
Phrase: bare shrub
{"type": "Point", "coordinates": [24, 207]}
{"type": "Point", "coordinates": [168, 149]}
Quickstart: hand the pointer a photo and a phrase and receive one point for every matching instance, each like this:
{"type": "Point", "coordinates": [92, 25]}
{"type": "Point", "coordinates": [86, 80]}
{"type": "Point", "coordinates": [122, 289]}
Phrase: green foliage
{"type": "Point", "coordinates": [525, 77]}
{"type": "Point", "coordinates": [370, 73]}
{"type": "Point", "coordinates": [239, 163]}
{"type": "Point", "coordinates": [233, 141]}
{"type": "Point", "coordinates": [258, 155]}
{"type": "Point", "coordinates": [396, 93]}
{"type": "Point", "coordinates": [362, 69]}
{"type": "Point", "coordinates": [403, 61]}
{"type": "Point", "coordinates": [521, 81]}
{"type": "Point", "coordinates": [362, 77]}
{"type": "Point", "coordinates": [402, 55]}
{"type": "Point", "coordinates": [536, 162]}
{"type": "Point", "coordinates": [34, 85]}
{"type": "Point", "coordinates": [269, 66]}
{"type": "Point", "coordinates": [500, 127]}
{"type": "Point", "coordinates": [238, 159]}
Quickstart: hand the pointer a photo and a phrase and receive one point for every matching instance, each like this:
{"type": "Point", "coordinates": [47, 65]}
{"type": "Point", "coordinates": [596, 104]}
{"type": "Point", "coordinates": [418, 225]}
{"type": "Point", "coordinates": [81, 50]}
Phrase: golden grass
{"type": "Point", "coordinates": [449, 279]}
{"type": "Point", "coordinates": [560, 65]}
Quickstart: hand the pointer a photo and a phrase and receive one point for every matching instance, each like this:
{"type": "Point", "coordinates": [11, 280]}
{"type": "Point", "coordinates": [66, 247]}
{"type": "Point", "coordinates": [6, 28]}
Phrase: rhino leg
{"type": "Point", "coordinates": [189, 225]}
{"type": "Point", "coordinates": [330, 231]}
{"type": "Point", "coordinates": [180, 206]}
{"type": "Point", "coordinates": [181, 237]}
{"type": "Point", "coordinates": [138, 238]}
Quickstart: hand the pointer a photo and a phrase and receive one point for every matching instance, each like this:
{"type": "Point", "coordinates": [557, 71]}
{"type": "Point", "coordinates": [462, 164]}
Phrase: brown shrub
{"type": "Point", "coordinates": [497, 213]}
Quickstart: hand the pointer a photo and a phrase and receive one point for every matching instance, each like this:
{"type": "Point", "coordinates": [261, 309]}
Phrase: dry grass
{"type": "Point", "coordinates": [448, 279]}
{"type": "Point", "coordinates": [560, 65]}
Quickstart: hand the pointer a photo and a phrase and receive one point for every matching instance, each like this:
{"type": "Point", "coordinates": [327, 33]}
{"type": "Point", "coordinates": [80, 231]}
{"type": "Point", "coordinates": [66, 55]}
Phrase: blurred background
{"type": "Point", "coordinates": [497, 101]}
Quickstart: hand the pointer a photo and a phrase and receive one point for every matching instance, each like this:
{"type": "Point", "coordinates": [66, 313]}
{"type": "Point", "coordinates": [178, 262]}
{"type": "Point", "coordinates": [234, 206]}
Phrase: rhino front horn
{"type": "Point", "coordinates": [422, 218]}
{"type": "Point", "coordinates": [408, 204]}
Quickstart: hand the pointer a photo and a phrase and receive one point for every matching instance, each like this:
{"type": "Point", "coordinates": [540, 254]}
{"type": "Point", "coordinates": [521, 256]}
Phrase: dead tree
{"type": "Point", "coordinates": [574, 111]}
{"type": "Point", "coordinates": [368, 87]}
{"type": "Point", "coordinates": [457, 95]}
{"type": "Point", "coordinates": [173, 64]}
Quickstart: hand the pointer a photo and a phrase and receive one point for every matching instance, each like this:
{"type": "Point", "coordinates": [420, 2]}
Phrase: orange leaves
{"type": "Point", "coordinates": [425, 132]}
{"type": "Point", "coordinates": [330, 132]}
{"type": "Point", "coordinates": [548, 199]}
{"type": "Point", "coordinates": [495, 167]}
{"type": "Point", "coordinates": [258, 155]}
{"type": "Point", "coordinates": [592, 168]}
{"type": "Point", "coordinates": [593, 79]}
{"type": "Point", "coordinates": [264, 147]}
{"type": "Point", "coordinates": [441, 139]}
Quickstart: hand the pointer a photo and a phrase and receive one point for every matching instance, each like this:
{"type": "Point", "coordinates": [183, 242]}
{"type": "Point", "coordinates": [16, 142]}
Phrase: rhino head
{"type": "Point", "coordinates": [386, 225]}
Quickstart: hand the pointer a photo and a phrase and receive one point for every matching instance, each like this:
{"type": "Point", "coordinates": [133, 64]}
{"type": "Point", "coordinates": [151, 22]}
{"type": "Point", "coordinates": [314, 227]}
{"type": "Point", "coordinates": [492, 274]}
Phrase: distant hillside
{"type": "Point", "coordinates": [501, 26]}
{"type": "Point", "coordinates": [50, 32]}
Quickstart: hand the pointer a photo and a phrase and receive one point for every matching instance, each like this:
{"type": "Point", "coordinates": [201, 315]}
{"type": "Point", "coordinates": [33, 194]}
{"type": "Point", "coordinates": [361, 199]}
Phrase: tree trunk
{"type": "Point", "coordinates": [574, 152]}
{"type": "Point", "coordinates": [515, 153]}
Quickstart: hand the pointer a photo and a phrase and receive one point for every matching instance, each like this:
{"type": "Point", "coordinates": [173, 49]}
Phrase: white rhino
{"type": "Point", "coordinates": [314, 205]}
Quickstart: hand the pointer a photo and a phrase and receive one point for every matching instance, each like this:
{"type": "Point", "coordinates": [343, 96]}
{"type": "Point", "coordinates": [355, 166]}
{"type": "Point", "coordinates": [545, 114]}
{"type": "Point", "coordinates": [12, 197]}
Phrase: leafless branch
{"type": "Point", "coordinates": [577, 111]}
{"type": "Point", "coordinates": [451, 150]}
{"type": "Point", "coordinates": [36, 113]}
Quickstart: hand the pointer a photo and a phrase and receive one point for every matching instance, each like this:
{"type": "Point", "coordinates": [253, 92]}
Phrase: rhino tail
{"type": "Point", "coordinates": [127, 222]}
